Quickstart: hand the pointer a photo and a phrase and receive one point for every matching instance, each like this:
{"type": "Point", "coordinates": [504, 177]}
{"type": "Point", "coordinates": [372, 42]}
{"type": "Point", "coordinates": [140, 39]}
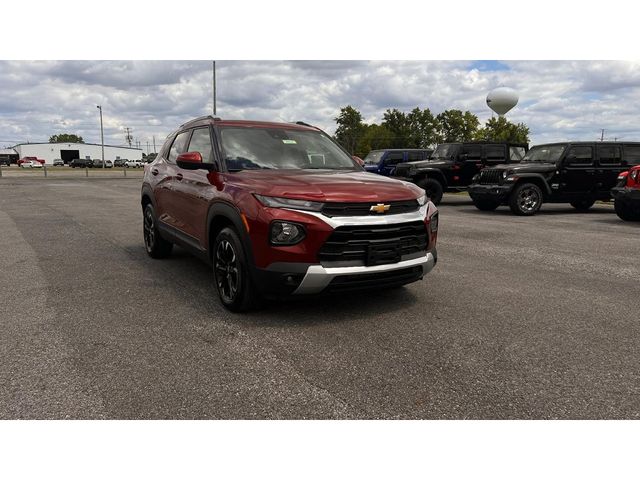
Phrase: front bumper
{"type": "Point", "coordinates": [494, 192]}
{"type": "Point", "coordinates": [318, 278]}
{"type": "Point", "coordinates": [625, 194]}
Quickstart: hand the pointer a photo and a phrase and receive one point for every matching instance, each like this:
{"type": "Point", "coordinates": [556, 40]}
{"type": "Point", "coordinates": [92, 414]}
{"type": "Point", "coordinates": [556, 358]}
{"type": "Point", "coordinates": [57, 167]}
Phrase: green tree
{"type": "Point", "coordinates": [375, 137]}
{"type": "Point", "coordinates": [350, 128]}
{"type": "Point", "coordinates": [423, 128]}
{"type": "Point", "coordinates": [398, 124]}
{"type": "Point", "coordinates": [502, 130]}
{"type": "Point", "coordinates": [456, 126]}
{"type": "Point", "coordinates": [65, 138]}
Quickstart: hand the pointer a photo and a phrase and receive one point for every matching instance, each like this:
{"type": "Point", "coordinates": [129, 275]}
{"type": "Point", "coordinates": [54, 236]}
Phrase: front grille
{"type": "Point", "coordinates": [380, 280]}
{"type": "Point", "coordinates": [362, 208]}
{"type": "Point", "coordinates": [490, 176]}
{"type": "Point", "coordinates": [374, 244]}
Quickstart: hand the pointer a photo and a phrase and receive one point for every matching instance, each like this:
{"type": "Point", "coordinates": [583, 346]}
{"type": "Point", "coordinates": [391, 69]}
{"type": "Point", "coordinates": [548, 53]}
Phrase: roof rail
{"type": "Point", "coordinates": [303, 123]}
{"type": "Point", "coordinates": [204, 117]}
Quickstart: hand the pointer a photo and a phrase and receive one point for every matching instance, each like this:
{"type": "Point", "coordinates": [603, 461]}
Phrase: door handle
{"type": "Point", "coordinates": [179, 176]}
{"type": "Point", "coordinates": [154, 171]}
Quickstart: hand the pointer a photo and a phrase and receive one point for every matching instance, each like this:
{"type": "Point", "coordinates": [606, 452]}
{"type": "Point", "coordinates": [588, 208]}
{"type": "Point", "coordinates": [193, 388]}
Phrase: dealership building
{"type": "Point", "coordinates": [69, 151]}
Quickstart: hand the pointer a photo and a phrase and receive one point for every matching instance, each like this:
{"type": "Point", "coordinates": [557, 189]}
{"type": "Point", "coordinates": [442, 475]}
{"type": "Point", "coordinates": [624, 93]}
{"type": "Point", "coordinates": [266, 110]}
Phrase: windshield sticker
{"type": "Point", "coordinates": [289, 142]}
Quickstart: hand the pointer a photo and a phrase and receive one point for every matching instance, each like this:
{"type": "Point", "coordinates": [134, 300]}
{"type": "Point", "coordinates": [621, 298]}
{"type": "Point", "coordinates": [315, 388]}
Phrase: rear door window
{"type": "Point", "coordinates": [413, 156]}
{"type": "Point", "coordinates": [632, 154]}
{"type": "Point", "coordinates": [473, 152]}
{"type": "Point", "coordinates": [609, 154]}
{"type": "Point", "coordinates": [393, 158]}
{"type": "Point", "coordinates": [579, 156]}
{"type": "Point", "coordinates": [494, 153]}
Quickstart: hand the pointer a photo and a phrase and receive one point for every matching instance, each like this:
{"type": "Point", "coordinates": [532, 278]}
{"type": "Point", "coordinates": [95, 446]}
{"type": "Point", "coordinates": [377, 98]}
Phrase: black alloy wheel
{"type": "Point", "coordinates": [155, 245]}
{"type": "Point", "coordinates": [231, 275]}
{"type": "Point", "coordinates": [526, 199]}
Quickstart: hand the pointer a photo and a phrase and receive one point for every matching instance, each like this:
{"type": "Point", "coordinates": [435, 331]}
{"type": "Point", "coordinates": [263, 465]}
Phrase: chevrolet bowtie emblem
{"type": "Point", "coordinates": [379, 208]}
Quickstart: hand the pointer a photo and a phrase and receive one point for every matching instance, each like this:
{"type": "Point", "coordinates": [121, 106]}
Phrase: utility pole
{"type": "Point", "coordinates": [147, 148]}
{"type": "Point", "coordinates": [214, 89]}
{"type": "Point", "coordinates": [128, 137]}
{"type": "Point", "coordinates": [101, 133]}
{"type": "Point", "coordinates": [602, 135]}
{"type": "Point", "coordinates": [154, 144]}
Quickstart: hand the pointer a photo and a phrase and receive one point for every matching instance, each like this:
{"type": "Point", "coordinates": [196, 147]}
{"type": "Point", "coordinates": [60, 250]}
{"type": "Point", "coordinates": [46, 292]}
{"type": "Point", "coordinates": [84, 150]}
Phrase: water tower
{"type": "Point", "coordinates": [502, 99]}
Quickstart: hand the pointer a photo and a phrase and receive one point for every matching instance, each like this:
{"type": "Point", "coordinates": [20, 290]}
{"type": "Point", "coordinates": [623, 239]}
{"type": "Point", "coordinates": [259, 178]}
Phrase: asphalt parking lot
{"type": "Point", "coordinates": [521, 318]}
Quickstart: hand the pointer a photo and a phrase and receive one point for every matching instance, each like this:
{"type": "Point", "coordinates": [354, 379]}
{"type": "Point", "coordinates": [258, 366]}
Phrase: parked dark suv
{"type": "Point", "coordinates": [452, 166]}
{"type": "Point", "coordinates": [578, 173]}
{"type": "Point", "coordinates": [384, 162]}
{"type": "Point", "coordinates": [81, 163]}
{"type": "Point", "coordinates": [281, 209]}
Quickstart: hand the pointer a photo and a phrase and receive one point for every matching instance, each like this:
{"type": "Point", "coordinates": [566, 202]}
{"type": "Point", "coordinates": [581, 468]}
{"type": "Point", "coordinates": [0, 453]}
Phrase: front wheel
{"type": "Point", "coordinates": [156, 246]}
{"type": "Point", "coordinates": [485, 205]}
{"type": "Point", "coordinates": [231, 272]}
{"type": "Point", "coordinates": [525, 199]}
{"type": "Point", "coordinates": [433, 188]}
{"type": "Point", "coordinates": [625, 212]}
{"type": "Point", "coordinates": [583, 205]}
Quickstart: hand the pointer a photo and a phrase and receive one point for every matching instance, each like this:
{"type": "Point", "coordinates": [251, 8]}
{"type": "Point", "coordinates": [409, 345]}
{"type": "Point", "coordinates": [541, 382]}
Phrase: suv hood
{"type": "Point", "coordinates": [427, 163]}
{"type": "Point", "coordinates": [325, 185]}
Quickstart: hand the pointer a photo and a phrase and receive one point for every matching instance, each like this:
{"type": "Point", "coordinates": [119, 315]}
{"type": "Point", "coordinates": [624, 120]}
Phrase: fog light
{"type": "Point", "coordinates": [286, 233]}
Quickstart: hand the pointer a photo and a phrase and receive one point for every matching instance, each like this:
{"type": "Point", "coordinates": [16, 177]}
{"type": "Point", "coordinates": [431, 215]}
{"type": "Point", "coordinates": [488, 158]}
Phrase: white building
{"type": "Point", "coordinates": [69, 151]}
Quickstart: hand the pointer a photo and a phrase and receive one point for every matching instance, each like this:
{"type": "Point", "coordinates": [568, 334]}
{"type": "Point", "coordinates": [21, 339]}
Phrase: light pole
{"type": "Point", "coordinates": [99, 107]}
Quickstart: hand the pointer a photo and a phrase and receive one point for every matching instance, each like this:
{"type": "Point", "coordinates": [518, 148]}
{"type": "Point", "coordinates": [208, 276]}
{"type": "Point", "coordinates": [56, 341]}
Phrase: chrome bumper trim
{"type": "Point", "coordinates": [425, 211]}
{"type": "Point", "coordinates": [318, 277]}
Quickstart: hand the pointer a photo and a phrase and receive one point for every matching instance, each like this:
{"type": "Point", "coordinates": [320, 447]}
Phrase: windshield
{"type": "Point", "coordinates": [446, 151]}
{"type": "Point", "coordinates": [281, 148]}
{"type": "Point", "coordinates": [544, 153]}
{"type": "Point", "coordinates": [373, 158]}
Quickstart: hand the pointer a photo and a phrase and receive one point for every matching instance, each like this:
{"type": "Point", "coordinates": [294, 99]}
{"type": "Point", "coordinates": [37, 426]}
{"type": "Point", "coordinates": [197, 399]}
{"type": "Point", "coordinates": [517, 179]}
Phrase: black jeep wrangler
{"type": "Point", "coordinates": [578, 173]}
{"type": "Point", "coordinates": [452, 166]}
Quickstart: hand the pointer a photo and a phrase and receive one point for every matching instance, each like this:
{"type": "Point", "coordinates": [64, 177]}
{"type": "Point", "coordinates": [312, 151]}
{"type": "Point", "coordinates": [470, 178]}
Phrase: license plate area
{"type": "Point", "coordinates": [383, 254]}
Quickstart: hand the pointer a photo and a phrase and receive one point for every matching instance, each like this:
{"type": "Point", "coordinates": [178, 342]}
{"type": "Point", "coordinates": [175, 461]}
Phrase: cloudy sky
{"type": "Point", "coordinates": [559, 100]}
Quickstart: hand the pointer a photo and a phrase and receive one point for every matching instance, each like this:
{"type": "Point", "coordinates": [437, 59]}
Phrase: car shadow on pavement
{"type": "Point", "coordinates": [186, 269]}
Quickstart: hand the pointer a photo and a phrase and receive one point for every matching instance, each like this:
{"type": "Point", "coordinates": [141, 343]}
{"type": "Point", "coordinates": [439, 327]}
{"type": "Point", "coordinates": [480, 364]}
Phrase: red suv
{"type": "Point", "coordinates": [627, 195]}
{"type": "Point", "coordinates": [279, 209]}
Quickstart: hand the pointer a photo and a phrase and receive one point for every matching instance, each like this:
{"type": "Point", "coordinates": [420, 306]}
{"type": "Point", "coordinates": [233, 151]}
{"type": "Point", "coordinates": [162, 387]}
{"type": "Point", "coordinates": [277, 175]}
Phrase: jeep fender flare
{"type": "Point", "coordinates": [536, 178]}
{"type": "Point", "coordinates": [431, 173]}
{"type": "Point", "coordinates": [231, 213]}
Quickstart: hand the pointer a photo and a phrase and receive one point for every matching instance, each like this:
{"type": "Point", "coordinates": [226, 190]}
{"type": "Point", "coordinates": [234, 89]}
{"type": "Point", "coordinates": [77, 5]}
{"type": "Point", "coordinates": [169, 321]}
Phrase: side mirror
{"type": "Point", "coordinates": [193, 161]}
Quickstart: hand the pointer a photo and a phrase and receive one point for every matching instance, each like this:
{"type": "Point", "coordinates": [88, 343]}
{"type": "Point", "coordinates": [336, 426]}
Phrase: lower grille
{"type": "Point", "coordinates": [374, 244]}
{"type": "Point", "coordinates": [490, 176]}
{"type": "Point", "coordinates": [375, 280]}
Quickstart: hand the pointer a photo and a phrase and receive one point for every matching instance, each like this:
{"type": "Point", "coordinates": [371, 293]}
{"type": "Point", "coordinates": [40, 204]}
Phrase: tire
{"type": "Point", "coordinates": [583, 205]}
{"type": "Point", "coordinates": [231, 273]}
{"type": "Point", "coordinates": [625, 212]}
{"type": "Point", "coordinates": [525, 199]}
{"type": "Point", "coordinates": [433, 188]}
{"type": "Point", "coordinates": [155, 245]}
{"type": "Point", "coordinates": [485, 205]}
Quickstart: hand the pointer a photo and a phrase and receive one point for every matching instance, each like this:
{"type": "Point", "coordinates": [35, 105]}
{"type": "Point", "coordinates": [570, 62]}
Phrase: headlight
{"type": "Point", "coordinates": [286, 233]}
{"type": "Point", "coordinates": [422, 200]}
{"type": "Point", "coordinates": [433, 223]}
{"type": "Point", "coordinates": [505, 173]}
{"type": "Point", "coordinates": [278, 202]}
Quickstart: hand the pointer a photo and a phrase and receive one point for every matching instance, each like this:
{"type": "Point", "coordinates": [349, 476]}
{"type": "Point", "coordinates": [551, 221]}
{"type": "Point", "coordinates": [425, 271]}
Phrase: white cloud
{"type": "Point", "coordinates": [559, 100]}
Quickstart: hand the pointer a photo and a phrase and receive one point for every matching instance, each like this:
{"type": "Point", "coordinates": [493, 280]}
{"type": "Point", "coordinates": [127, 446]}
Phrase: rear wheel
{"type": "Point", "coordinates": [525, 199]}
{"type": "Point", "coordinates": [583, 205]}
{"type": "Point", "coordinates": [485, 205]}
{"type": "Point", "coordinates": [433, 188]}
{"type": "Point", "coordinates": [231, 272]}
{"type": "Point", "coordinates": [156, 246]}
